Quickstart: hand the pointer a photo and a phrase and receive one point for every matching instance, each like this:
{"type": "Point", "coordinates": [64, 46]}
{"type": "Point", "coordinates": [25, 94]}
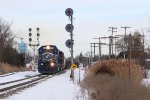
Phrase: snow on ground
{"type": "Point", "coordinates": [146, 81]}
{"type": "Point", "coordinates": [17, 75]}
{"type": "Point", "coordinates": [59, 87]}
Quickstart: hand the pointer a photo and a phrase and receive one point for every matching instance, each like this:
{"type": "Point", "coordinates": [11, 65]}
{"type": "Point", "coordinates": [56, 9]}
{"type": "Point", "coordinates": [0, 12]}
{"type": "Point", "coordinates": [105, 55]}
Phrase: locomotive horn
{"type": "Point", "coordinates": [69, 12]}
{"type": "Point", "coordinates": [69, 27]}
{"type": "Point", "coordinates": [69, 43]}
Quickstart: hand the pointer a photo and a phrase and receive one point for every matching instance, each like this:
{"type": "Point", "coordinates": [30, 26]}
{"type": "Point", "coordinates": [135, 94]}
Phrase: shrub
{"type": "Point", "coordinates": [109, 80]}
{"type": "Point", "coordinates": [118, 68]}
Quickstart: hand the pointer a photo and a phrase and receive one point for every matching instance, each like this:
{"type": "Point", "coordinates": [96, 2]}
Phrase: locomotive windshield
{"type": "Point", "coordinates": [46, 56]}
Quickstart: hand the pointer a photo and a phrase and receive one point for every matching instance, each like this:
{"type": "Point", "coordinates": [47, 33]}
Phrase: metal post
{"type": "Point", "coordinates": [34, 59]}
{"type": "Point", "coordinates": [79, 74]}
{"type": "Point", "coordinates": [72, 71]}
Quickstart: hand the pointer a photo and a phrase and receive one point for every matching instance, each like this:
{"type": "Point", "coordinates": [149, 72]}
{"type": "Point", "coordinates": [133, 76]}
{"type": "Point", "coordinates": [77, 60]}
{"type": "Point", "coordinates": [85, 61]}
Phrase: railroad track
{"type": "Point", "coordinates": [9, 88]}
{"type": "Point", "coordinates": [29, 77]}
{"type": "Point", "coordinates": [3, 75]}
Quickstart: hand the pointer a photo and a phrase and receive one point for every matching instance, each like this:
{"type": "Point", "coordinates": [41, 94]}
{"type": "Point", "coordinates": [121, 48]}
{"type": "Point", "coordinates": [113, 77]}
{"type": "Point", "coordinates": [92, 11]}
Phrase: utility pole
{"type": "Point", "coordinates": [100, 46]}
{"type": "Point", "coordinates": [91, 54]}
{"type": "Point", "coordinates": [95, 45]}
{"type": "Point", "coordinates": [110, 44]}
{"type": "Point", "coordinates": [129, 54]}
{"type": "Point", "coordinates": [125, 28]}
{"type": "Point", "coordinates": [112, 29]}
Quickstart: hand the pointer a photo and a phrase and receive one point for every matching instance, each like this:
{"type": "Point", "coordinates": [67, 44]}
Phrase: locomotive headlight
{"type": "Point", "coordinates": [47, 47]}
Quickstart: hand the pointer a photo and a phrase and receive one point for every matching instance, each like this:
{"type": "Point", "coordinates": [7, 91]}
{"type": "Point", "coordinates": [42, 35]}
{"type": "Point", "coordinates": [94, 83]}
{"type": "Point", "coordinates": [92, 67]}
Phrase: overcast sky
{"type": "Point", "coordinates": [91, 19]}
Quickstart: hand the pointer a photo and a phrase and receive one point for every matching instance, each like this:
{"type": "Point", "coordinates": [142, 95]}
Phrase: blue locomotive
{"type": "Point", "coordinates": [50, 59]}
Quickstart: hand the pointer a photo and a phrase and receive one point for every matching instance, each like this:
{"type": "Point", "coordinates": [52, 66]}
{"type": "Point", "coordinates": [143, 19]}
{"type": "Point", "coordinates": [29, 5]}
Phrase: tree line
{"type": "Point", "coordinates": [8, 53]}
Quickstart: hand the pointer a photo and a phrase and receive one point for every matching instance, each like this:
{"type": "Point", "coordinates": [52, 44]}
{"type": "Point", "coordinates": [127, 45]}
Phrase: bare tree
{"type": "Point", "coordinates": [137, 47]}
{"type": "Point", "coordinates": [5, 36]}
{"type": "Point", "coordinates": [8, 54]}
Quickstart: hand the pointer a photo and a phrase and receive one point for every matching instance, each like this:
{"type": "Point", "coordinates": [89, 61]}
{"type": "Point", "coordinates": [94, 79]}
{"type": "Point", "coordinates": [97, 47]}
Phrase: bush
{"type": "Point", "coordinates": [109, 80]}
{"type": "Point", "coordinates": [118, 68]}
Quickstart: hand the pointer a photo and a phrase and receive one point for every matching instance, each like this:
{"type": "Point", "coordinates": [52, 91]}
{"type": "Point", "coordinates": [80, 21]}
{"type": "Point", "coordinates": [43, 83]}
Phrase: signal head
{"type": "Point", "coordinates": [30, 34]}
{"type": "Point", "coordinates": [38, 34]}
{"type": "Point", "coordinates": [30, 39]}
{"type": "Point", "coordinates": [69, 43]}
{"type": "Point", "coordinates": [69, 27]}
{"type": "Point", "coordinates": [30, 29]}
{"type": "Point", "coordinates": [69, 12]}
{"type": "Point", "coordinates": [37, 29]}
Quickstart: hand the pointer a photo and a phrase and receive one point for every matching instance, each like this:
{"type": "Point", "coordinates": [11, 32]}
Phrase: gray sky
{"type": "Point", "coordinates": [91, 19]}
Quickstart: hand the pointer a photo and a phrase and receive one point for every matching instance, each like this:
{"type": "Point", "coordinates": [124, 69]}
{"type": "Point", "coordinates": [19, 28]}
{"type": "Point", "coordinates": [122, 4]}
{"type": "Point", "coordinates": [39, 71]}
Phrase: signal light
{"type": "Point", "coordinates": [30, 29]}
{"type": "Point", "coordinates": [69, 12]}
{"type": "Point", "coordinates": [30, 39]}
{"type": "Point", "coordinates": [69, 27]}
{"type": "Point", "coordinates": [30, 34]}
{"type": "Point", "coordinates": [38, 34]}
{"type": "Point", "coordinates": [37, 29]}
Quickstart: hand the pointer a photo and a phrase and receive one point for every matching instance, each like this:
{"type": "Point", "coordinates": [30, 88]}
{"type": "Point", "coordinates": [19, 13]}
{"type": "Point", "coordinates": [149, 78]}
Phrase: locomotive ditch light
{"type": "Point", "coordinates": [41, 64]}
{"type": "Point", "coordinates": [52, 64]}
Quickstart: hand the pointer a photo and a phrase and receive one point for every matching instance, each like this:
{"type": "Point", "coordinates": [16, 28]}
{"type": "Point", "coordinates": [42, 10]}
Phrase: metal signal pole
{"type": "Point", "coordinates": [69, 42]}
{"type": "Point", "coordinates": [34, 46]}
{"type": "Point", "coordinates": [71, 35]}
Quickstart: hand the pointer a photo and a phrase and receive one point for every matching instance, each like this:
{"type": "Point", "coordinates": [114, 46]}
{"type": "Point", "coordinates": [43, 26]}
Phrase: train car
{"type": "Point", "coordinates": [50, 59]}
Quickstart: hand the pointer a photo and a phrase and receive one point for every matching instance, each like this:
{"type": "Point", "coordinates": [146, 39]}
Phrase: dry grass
{"type": "Point", "coordinates": [6, 68]}
{"type": "Point", "coordinates": [109, 80]}
{"type": "Point", "coordinates": [118, 68]}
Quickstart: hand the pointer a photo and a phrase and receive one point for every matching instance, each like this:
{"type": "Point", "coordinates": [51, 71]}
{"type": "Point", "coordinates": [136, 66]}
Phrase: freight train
{"type": "Point", "coordinates": [50, 59]}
